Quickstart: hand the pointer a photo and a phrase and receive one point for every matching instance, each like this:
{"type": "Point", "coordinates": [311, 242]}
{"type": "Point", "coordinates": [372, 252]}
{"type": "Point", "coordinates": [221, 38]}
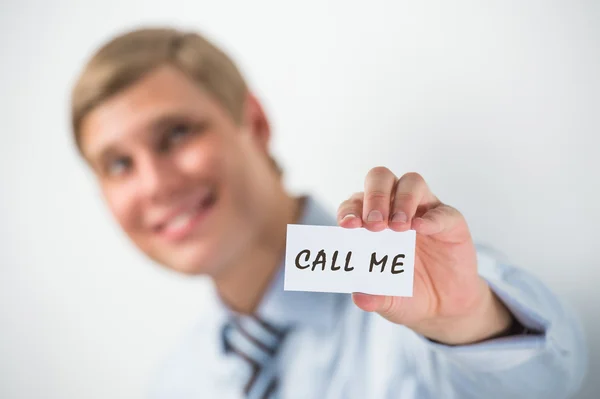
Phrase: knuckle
{"type": "Point", "coordinates": [446, 210]}
{"type": "Point", "coordinates": [356, 203]}
{"type": "Point", "coordinates": [434, 214]}
{"type": "Point", "coordinates": [358, 196]}
{"type": "Point", "coordinates": [375, 196]}
{"type": "Point", "coordinates": [403, 199]}
{"type": "Point", "coordinates": [415, 177]}
{"type": "Point", "coordinates": [349, 207]}
{"type": "Point", "coordinates": [450, 209]}
{"type": "Point", "coordinates": [345, 207]}
{"type": "Point", "coordinates": [453, 212]}
{"type": "Point", "coordinates": [355, 200]}
{"type": "Point", "coordinates": [390, 308]}
{"type": "Point", "coordinates": [380, 171]}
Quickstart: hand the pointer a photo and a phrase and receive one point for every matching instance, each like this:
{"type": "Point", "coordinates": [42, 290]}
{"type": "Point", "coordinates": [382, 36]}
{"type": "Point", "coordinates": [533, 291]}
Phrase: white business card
{"type": "Point", "coordinates": [336, 259]}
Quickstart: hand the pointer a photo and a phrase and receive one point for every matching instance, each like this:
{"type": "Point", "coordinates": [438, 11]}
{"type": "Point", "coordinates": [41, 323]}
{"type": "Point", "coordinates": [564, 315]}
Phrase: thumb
{"type": "Point", "coordinates": [389, 307]}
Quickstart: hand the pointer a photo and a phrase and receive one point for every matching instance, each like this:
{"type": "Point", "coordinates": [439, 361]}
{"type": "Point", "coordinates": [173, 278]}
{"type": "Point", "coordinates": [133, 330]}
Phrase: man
{"type": "Point", "coordinates": [180, 149]}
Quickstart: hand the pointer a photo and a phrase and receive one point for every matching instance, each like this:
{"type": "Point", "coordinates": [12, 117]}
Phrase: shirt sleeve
{"type": "Point", "coordinates": [548, 363]}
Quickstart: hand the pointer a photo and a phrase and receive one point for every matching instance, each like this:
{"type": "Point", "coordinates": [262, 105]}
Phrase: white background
{"type": "Point", "coordinates": [496, 103]}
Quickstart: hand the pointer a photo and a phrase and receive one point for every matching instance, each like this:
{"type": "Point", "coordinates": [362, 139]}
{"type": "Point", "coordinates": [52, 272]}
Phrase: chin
{"type": "Point", "coordinates": [190, 266]}
{"type": "Point", "coordinates": [193, 262]}
{"type": "Point", "coordinates": [189, 269]}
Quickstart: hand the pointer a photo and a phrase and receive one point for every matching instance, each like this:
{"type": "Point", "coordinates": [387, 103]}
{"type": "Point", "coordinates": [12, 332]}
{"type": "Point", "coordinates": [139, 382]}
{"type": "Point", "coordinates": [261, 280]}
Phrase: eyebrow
{"type": "Point", "coordinates": [162, 122]}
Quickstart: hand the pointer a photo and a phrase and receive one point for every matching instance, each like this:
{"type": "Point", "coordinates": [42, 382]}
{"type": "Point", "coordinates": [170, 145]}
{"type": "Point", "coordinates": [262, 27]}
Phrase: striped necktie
{"type": "Point", "coordinates": [256, 342]}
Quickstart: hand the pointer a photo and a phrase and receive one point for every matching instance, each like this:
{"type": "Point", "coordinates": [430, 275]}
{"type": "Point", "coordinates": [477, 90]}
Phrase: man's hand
{"type": "Point", "coordinates": [451, 303]}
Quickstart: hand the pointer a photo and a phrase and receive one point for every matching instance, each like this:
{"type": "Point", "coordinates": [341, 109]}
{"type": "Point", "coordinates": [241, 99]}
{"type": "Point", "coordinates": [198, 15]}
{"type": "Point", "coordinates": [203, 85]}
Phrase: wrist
{"type": "Point", "coordinates": [488, 319]}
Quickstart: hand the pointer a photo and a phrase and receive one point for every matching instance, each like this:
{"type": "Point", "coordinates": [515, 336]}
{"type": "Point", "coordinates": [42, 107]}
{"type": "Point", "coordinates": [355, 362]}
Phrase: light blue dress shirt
{"type": "Point", "coordinates": [335, 350]}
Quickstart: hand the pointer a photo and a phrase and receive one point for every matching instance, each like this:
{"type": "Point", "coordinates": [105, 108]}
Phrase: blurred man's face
{"type": "Point", "coordinates": [188, 185]}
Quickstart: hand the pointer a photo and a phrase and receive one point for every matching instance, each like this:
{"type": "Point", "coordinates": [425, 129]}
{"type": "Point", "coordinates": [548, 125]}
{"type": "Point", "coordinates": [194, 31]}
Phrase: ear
{"type": "Point", "coordinates": [256, 121]}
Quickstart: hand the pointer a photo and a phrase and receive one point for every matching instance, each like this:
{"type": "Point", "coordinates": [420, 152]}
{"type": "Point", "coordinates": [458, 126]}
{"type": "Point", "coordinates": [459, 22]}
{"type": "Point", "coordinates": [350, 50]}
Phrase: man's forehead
{"type": "Point", "coordinates": [163, 92]}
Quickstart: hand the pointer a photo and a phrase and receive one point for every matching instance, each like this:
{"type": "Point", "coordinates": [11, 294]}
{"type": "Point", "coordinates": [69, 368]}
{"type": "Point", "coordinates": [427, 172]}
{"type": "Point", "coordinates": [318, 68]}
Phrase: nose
{"type": "Point", "coordinates": [159, 179]}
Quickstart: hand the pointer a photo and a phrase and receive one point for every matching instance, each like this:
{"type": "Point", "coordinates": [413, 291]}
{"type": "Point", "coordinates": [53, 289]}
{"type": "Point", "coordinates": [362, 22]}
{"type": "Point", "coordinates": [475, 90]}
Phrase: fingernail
{"type": "Point", "coordinates": [399, 217]}
{"type": "Point", "coordinates": [348, 216]}
{"type": "Point", "coordinates": [375, 216]}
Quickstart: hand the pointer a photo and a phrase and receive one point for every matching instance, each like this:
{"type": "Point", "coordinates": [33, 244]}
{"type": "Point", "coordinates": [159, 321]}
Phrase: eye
{"type": "Point", "coordinates": [118, 166]}
{"type": "Point", "coordinates": [174, 136]}
{"type": "Point", "coordinates": [179, 132]}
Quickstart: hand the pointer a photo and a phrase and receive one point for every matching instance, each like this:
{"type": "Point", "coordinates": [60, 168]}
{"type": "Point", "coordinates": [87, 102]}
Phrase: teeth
{"type": "Point", "coordinates": [181, 220]}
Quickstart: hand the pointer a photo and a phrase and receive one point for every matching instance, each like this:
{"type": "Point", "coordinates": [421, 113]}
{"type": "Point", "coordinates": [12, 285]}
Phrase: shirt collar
{"type": "Point", "coordinates": [298, 308]}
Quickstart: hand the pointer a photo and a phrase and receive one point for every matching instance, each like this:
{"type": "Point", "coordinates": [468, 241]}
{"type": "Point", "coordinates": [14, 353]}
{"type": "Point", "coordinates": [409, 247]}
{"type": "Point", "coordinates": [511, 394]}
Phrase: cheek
{"type": "Point", "coordinates": [202, 160]}
{"type": "Point", "coordinates": [124, 207]}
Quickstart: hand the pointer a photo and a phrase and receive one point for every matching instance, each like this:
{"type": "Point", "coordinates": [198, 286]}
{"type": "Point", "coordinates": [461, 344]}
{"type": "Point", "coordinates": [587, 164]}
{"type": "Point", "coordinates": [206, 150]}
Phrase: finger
{"type": "Point", "coordinates": [349, 213]}
{"type": "Point", "coordinates": [411, 194]}
{"type": "Point", "coordinates": [379, 185]}
{"type": "Point", "coordinates": [438, 220]}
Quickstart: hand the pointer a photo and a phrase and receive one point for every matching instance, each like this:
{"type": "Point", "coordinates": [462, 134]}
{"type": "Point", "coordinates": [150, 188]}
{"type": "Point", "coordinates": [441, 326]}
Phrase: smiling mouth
{"type": "Point", "coordinates": [184, 222]}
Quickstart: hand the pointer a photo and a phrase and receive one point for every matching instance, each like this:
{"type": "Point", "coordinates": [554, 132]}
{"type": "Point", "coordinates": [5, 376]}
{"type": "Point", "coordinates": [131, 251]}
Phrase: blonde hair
{"type": "Point", "coordinates": [128, 57]}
